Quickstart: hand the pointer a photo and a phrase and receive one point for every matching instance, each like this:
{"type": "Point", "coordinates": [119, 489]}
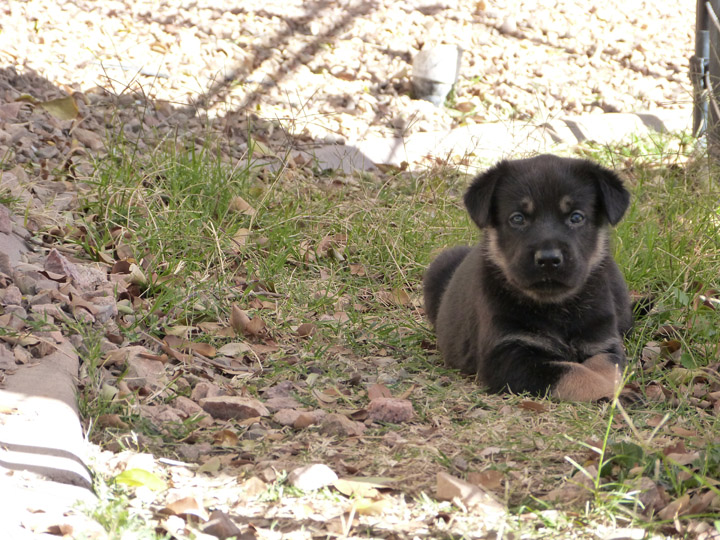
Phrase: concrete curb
{"type": "Point", "coordinates": [494, 141]}
{"type": "Point", "coordinates": [42, 448]}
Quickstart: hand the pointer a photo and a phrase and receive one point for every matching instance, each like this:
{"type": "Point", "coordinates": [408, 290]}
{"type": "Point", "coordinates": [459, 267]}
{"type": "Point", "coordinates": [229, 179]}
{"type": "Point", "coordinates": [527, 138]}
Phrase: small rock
{"type": "Point", "coordinates": [341, 425]}
{"type": "Point", "coordinates": [5, 222]}
{"type": "Point", "coordinates": [312, 477]}
{"type": "Point", "coordinates": [43, 311]}
{"type": "Point", "coordinates": [255, 433]}
{"type": "Point", "coordinates": [233, 407]}
{"type": "Point", "coordinates": [281, 389]}
{"type": "Point", "coordinates": [192, 452]}
{"type": "Point", "coordinates": [26, 283]}
{"type": "Point", "coordinates": [221, 526]}
{"type": "Point", "coordinates": [162, 414]}
{"type": "Point", "coordinates": [394, 410]}
{"type": "Point", "coordinates": [277, 403]}
{"type": "Point", "coordinates": [191, 409]}
{"type": "Point", "coordinates": [12, 295]}
{"type": "Point", "coordinates": [304, 420]}
{"type": "Point", "coordinates": [286, 417]}
{"type": "Point", "coordinates": [205, 390]}
{"type": "Point", "coordinates": [85, 278]}
{"type": "Point", "coordinates": [509, 25]}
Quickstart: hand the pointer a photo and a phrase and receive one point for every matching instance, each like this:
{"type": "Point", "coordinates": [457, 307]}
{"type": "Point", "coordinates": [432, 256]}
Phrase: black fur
{"type": "Point", "coordinates": [538, 305]}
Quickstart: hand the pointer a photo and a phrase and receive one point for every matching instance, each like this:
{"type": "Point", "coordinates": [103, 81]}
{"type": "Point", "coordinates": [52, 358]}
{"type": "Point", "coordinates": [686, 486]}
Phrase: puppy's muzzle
{"type": "Point", "coordinates": [548, 259]}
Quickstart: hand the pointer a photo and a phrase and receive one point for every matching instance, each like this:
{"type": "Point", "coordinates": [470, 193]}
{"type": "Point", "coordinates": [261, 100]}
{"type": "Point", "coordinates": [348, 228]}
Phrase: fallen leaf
{"type": "Point", "coordinates": [241, 237]}
{"type": "Point", "coordinates": [449, 488]}
{"type": "Point", "coordinates": [141, 477]}
{"type": "Point", "coordinates": [490, 479]}
{"type": "Point", "coordinates": [312, 477]}
{"type": "Point", "coordinates": [204, 349]}
{"type": "Point", "coordinates": [111, 420]}
{"type": "Point", "coordinates": [360, 487]}
{"type": "Point", "coordinates": [225, 437]}
{"type": "Point", "coordinates": [306, 329]}
{"type": "Point", "coordinates": [357, 270]}
{"type": "Point", "coordinates": [187, 506]}
{"type": "Point", "coordinates": [533, 406]}
{"type": "Point", "coordinates": [368, 507]}
{"type": "Point", "coordinates": [234, 349]}
{"type": "Point", "coordinates": [240, 205]}
{"type": "Point", "coordinates": [211, 466]}
{"type": "Point", "coordinates": [61, 108]}
{"type": "Point", "coordinates": [676, 508]}
{"type": "Point", "coordinates": [242, 324]}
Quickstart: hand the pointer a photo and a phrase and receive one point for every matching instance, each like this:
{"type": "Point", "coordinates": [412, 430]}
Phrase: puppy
{"type": "Point", "coordinates": [539, 305]}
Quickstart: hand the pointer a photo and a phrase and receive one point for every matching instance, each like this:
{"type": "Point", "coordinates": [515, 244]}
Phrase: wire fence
{"type": "Point", "coordinates": [705, 75]}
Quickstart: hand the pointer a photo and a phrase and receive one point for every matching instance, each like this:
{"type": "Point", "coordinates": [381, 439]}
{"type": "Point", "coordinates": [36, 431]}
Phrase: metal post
{"type": "Point", "coordinates": [712, 81]}
{"type": "Point", "coordinates": [698, 69]}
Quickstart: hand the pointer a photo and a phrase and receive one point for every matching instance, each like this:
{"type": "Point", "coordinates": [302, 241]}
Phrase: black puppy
{"type": "Point", "coordinates": [539, 305]}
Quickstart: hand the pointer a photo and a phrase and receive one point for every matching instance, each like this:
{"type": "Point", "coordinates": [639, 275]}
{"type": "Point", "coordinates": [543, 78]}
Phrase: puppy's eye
{"type": "Point", "coordinates": [516, 219]}
{"type": "Point", "coordinates": [576, 218]}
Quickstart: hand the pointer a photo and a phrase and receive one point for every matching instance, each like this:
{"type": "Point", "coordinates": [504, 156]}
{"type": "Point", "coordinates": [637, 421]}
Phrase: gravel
{"type": "Point", "coordinates": [340, 71]}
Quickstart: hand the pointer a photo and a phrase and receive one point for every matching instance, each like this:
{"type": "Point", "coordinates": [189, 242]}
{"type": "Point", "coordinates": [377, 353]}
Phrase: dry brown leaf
{"type": "Point", "coordinates": [204, 349]}
{"type": "Point", "coordinates": [241, 237]}
{"type": "Point", "coordinates": [61, 108]}
{"type": "Point", "coordinates": [187, 506]}
{"type": "Point", "coordinates": [324, 397]}
{"type": "Point", "coordinates": [533, 406]}
{"type": "Point", "coordinates": [684, 458]}
{"type": "Point", "coordinates": [304, 420]}
{"type": "Point", "coordinates": [238, 319]}
{"type": "Point", "coordinates": [450, 488]}
{"type": "Point", "coordinates": [234, 349]}
{"type": "Point", "coordinates": [490, 479]}
{"type": "Point", "coordinates": [396, 297]}
{"type": "Point", "coordinates": [676, 508]}
{"type": "Point", "coordinates": [225, 437]}
{"type": "Point", "coordinates": [111, 420]}
{"type": "Point", "coordinates": [359, 487]}
{"type": "Point", "coordinates": [683, 432]}
{"type": "Point", "coordinates": [243, 324]}
{"type": "Point", "coordinates": [357, 270]}
{"type": "Point", "coordinates": [254, 486]}
{"type": "Point", "coordinates": [332, 246]}
{"type": "Point", "coordinates": [240, 205]}
{"type": "Point", "coordinates": [306, 329]}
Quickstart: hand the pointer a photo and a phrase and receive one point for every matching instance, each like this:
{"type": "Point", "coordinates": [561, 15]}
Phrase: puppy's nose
{"type": "Point", "coordinates": [548, 258]}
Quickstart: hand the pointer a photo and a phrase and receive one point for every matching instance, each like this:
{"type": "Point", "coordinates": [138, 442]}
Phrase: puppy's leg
{"type": "Point", "coordinates": [596, 378]}
{"type": "Point", "coordinates": [520, 368]}
{"type": "Point", "coordinates": [438, 276]}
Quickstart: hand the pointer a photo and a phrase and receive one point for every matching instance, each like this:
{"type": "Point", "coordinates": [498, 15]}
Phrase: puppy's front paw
{"type": "Point", "coordinates": [630, 398]}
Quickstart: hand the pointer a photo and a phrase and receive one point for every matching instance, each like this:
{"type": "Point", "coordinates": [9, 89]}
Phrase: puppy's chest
{"type": "Point", "coordinates": [562, 333]}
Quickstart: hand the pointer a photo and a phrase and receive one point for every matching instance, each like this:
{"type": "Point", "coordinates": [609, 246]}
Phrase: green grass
{"type": "Point", "coordinates": [355, 247]}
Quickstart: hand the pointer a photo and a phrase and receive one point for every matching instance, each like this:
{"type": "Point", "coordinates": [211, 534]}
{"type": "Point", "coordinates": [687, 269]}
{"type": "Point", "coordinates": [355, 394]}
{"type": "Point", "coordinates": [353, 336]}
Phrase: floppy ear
{"type": "Point", "coordinates": [614, 198]}
{"type": "Point", "coordinates": [478, 197]}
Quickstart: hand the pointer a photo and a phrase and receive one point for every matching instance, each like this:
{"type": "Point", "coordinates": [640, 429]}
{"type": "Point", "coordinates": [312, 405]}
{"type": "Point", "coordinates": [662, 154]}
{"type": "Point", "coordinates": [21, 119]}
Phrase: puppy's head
{"type": "Point", "coordinates": [545, 221]}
